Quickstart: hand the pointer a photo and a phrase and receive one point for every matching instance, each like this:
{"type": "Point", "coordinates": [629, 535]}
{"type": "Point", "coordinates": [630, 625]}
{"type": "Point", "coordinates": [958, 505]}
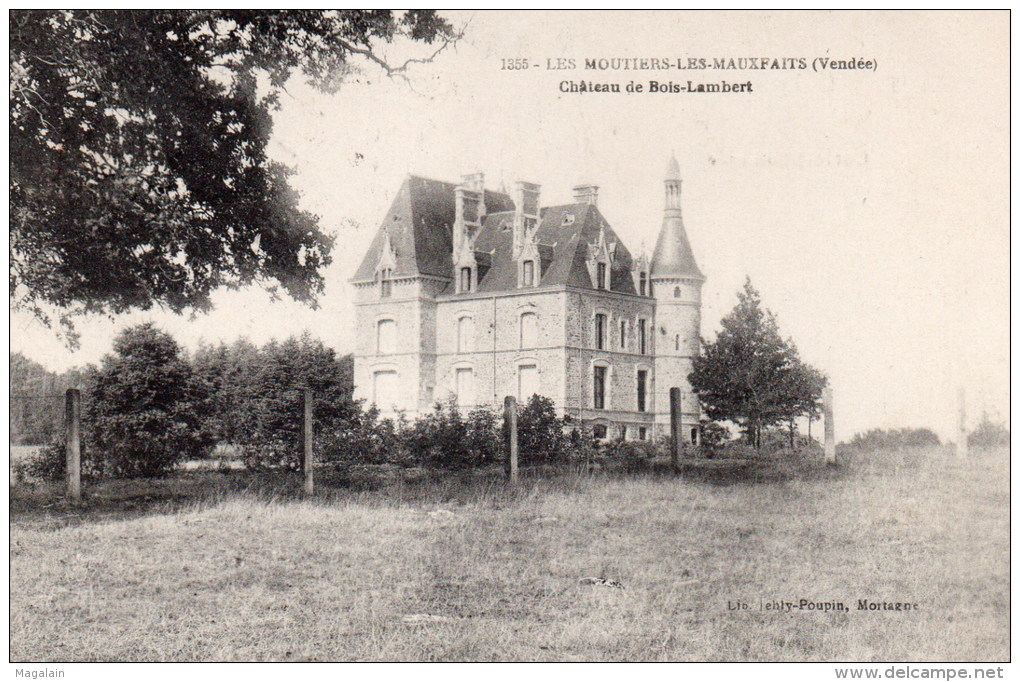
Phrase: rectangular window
{"type": "Point", "coordinates": [528, 273]}
{"type": "Point", "coordinates": [623, 334]}
{"type": "Point", "coordinates": [465, 388]}
{"type": "Point", "coordinates": [642, 433]}
{"type": "Point", "coordinates": [527, 382]}
{"type": "Point", "coordinates": [465, 280]}
{"type": "Point", "coordinates": [386, 337]}
{"type": "Point", "coordinates": [643, 283]}
{"type": "Point", "coordinates": [600, 387]}
{"type": "Point", "coordinates": [465, 334]}
{"type": "Point", "coordinates": [384, 389]}
{"type": "Point", "coordinates": [385, 283]}
{"type": "Point", "coordinates": [529, 330]}
{"type": "Point", "coordinates": [600, 331]}
{"type": "Point", "coordinates": [642, 337]}
{"type": "Point", "coordinates": [601, 269]}
{"type": "Point", "coordinates": [642, 383]}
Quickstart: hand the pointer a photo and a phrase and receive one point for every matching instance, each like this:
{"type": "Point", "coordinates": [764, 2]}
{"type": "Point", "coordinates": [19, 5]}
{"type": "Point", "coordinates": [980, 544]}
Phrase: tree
{"type": "Point", "coordinates": [261, 396]}
{"type": "Point", "coordinates": [139, 173]}
{"type": "Point", "coordinates": [143, 410]}
{"type": "Point", "coordinates": [750, 375]}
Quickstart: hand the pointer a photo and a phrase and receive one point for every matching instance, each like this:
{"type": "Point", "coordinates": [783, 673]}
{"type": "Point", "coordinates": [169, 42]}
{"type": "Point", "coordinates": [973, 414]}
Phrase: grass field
{"type": "Point", "coordinates": [457, 570]}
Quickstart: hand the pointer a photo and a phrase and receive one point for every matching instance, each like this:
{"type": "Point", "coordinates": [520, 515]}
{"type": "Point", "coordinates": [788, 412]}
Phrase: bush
{"type": "Point", "coordinates": [989, 434]}
{"type": "Point", "coordinates": [630, 456]}
{"type": "Point", "coordinates": [877, 439]}
{"type": "Point", "coordinates": [540, 433]}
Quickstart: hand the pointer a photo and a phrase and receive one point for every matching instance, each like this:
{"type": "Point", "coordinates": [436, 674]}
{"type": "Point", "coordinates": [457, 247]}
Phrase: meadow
{"type": "Point", "coordinates": [222, 566]}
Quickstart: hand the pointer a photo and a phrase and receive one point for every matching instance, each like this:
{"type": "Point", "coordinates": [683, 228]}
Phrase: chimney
{"type": "Point", "coordinates": [469, 209]}
{"type": "Point", "coordinates": [586, 194]}
{"type": "Point", "coordinates": [526, 213]}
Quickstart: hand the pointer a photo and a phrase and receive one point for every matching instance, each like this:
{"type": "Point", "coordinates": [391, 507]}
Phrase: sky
{"type": "Point", "coordinates": [869, 207]}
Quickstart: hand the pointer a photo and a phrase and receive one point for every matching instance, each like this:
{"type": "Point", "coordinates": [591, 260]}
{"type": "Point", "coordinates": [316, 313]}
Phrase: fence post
{"type": "Point", "coordinates": [675, 430]}
{"type": "Point", "coordinates": [830, 426]}
{"type": "Point", "coordinates": [72, 444]}
{"type": "Point", "coordinates": [510, 417]}
{"type": "Point", "coordinates": [961, 425]}
{"type": "Point", "coordinates": [309, 437]}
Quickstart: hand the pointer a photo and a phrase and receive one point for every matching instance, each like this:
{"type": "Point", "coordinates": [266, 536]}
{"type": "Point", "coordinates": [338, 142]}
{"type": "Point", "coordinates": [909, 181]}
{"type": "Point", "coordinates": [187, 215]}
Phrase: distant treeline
{"type": "Point", "coordinates": [36, 400]}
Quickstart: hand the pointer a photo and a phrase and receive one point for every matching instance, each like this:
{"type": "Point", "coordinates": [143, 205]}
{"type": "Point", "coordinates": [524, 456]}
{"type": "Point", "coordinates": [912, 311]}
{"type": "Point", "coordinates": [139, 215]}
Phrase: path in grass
{"type": "Point", "coordinates": [498, 578]}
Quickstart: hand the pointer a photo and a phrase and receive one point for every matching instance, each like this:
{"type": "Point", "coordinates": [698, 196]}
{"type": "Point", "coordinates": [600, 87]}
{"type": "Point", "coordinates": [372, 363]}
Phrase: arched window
{"type": "Point", "coordinates": [676, 292]}
{"type": "Point", "coordinates": [386, 336]}
{"type": "Point", "coordinates": [529, 330]}
{"type": "Point", "coordinates": [528, 273]}
{"type": "Point", "coordinates": [600, 279]}
{"type": "Point", "coordinates": [465, 334]}
{"type": "Point", "coordinates": [465, 280]}
{"type": "Point", "coordinates": [643, 283]}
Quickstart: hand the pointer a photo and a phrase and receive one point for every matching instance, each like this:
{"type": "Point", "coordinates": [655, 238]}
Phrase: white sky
{"type": "Point", "coordinates": [871, 209]}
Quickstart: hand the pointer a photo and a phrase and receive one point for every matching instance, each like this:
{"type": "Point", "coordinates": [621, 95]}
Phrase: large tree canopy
{"type": "Point", "coordinates": [750, 375]}
{"type": "Point", "coordinates": [139, 173]}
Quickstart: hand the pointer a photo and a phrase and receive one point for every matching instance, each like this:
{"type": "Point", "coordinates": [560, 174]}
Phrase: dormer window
{"type": "Point", "coordinates": [385, 283]}
{"type": "Point", "coordinates": [601, 276]}
{"type": "Point", "coordinates": [643, 284]}
{"type": "Point", "coordinates": [528, 273]}
{"type": "Point", "coordinates": [568, 219]}
{"type": "Point", "coordinates": [465, 280]}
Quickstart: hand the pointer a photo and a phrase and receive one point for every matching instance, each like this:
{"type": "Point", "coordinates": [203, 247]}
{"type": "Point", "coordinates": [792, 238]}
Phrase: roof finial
{"type": "Point", "coordinates": [673, 169]}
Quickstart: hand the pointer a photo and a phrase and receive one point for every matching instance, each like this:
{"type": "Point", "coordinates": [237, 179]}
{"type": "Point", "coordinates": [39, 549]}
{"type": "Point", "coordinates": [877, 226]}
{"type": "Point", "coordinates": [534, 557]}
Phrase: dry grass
{"type": "Point", "coordinates": [471, 571]}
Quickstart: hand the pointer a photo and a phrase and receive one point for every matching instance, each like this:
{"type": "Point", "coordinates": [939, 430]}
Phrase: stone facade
{"type": "Point", "coordinates": [469, 295]}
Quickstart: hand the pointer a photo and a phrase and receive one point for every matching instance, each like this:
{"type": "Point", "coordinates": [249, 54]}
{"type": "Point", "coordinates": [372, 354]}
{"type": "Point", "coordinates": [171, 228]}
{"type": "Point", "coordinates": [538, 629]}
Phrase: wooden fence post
{"type": "Point", "coordinates": [510, 417]}
{"type": "Point", "coordinates": [961, 425]}
{"type": "Point", "coordinates": [830, 426]}
{"type": "Point", "coordinates": [675, 430]}
{"type": "Point", "coordinates": [72, 444]}
{"type": "Point", "coordinates": [309, 438]}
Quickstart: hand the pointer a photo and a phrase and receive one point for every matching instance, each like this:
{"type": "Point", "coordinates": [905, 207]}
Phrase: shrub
{"type": "Point", "coordinates": [630, 456]}
{"type": "Point", "coordinates": [540, 433]}
{"type": "Point", "coordinates": [877, 439]}
{"type": "Point", "coordinates": [714, 435]}
{"type": "Point", "coordinates": [988, 434]}
{"type": "Point", "coordinates": [363, 439]}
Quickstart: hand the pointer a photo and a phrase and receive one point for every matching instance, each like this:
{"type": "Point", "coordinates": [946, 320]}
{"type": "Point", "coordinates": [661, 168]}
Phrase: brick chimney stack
{"type": "Point", "coordinates": [526, 213]}
{"type": "Point", "coordinates": [586, 194]}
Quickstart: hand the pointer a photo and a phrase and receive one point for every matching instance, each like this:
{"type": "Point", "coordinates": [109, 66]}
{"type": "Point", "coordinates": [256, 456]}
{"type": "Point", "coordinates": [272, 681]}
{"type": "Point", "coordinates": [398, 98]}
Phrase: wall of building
{"type": "Point", "coordinates": [622, 360]}
{"type": "Point", "coordinates": [497, 352]}
{"type": "Point", "coordinates": [412, 308]}
{"type": "Point", "coordinates": [677, 333]}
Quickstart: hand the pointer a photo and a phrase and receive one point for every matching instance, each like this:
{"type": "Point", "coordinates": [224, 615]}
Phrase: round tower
{"type": "Point", "coordinates": [676, 286]}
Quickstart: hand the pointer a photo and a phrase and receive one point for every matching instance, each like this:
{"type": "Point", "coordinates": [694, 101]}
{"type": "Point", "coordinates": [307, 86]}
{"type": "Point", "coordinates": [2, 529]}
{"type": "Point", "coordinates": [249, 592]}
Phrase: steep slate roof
{"type": "Point", "coordinates": [420, 223]}
{"type": "Point", "coordinates": [420, 227]}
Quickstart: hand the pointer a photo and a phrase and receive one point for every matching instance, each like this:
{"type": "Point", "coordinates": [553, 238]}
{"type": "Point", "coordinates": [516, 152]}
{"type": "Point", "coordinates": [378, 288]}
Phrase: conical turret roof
{"type": "Point", "coordinates": [673, 256]}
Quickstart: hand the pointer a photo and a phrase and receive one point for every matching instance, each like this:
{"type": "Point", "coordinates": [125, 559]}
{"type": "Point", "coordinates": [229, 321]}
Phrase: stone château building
{"type": "Point", "coordinates": [472, 295]}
